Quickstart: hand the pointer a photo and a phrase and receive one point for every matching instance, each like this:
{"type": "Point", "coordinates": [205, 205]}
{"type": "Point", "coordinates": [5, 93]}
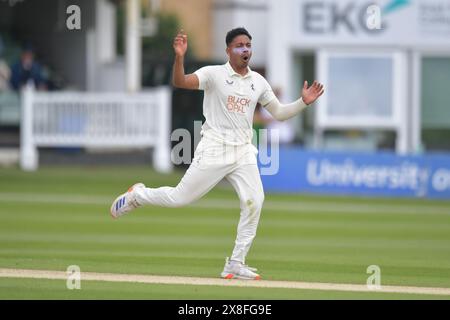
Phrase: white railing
{"type": "Point", "coordinates": [98, 120]}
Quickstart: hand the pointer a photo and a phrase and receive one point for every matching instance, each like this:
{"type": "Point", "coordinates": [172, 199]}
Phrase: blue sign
{"type": "Point", "coordinates": [379, 174]}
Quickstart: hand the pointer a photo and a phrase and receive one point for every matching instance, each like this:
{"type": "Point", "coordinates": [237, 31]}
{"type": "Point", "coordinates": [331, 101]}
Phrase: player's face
{"type": "Point", "coordinates": [240, 51]}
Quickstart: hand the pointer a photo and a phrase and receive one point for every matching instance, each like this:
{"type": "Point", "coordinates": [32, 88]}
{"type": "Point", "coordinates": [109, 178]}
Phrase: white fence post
{"type": "Point", "coordinates": [161, 156]}
{"type": "Point", "coordinates": [28, 151]}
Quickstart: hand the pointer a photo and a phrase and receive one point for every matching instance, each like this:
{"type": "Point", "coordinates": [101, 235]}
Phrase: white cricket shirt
{"type": "Point", "coordinates": [229, 102]}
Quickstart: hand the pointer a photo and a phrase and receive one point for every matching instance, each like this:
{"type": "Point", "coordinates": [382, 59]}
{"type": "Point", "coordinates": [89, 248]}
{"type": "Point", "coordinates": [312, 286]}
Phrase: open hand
{"type": "Point", "coordinates": [312, 93]}
{"type": "Point", "coordinates": [180, 44]}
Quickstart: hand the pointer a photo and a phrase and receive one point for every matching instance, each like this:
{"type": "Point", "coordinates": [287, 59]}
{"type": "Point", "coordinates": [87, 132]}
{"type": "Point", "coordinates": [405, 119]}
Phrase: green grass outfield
{"type": "Point", "coordinates": [58, 217]}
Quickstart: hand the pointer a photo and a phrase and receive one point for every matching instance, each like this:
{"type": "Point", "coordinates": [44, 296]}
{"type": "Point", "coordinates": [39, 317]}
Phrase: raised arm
{"type": "Point", "coordinates": [179, 79]}
{"type": "Point", "coordinates": [286, 111]}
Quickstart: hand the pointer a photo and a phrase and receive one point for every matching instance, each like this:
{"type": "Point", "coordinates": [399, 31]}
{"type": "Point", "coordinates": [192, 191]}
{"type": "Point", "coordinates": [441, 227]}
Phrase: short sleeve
{"type": "Point", "coordinates": [267, 94]}
{"type": "Point", "coordinates": [204, 77]}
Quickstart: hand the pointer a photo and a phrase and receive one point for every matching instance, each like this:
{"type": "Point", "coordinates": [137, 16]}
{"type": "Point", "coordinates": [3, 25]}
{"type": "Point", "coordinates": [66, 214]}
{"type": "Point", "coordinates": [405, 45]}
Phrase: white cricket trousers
{"type": "Point", "coordinates": [212, 162]}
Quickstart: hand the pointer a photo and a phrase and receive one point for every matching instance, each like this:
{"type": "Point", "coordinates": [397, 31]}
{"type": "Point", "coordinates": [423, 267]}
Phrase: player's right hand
{"type": "Point", "coordinates": [180, 44]}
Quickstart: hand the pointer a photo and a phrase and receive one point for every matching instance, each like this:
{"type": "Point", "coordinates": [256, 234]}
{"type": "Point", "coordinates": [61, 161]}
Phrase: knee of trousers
{"type": "Point", "coordinates": [179, 202]}
{"type": "Point", "coordinates": [255, 202]}
{"type": "Point", "coordinates": [178, 199]}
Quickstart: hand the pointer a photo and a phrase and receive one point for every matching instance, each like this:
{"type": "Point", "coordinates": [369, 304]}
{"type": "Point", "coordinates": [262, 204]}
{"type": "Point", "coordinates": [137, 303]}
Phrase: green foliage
{"type": "Point", "coordinates": [120, 24]}
{"type": "Point", "coordinates": [160, 45]}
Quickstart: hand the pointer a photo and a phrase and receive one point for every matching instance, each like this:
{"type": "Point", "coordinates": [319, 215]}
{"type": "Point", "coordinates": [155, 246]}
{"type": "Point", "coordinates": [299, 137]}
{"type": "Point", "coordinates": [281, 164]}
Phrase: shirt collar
{"type": "Point", "coordinates": [231, 71]}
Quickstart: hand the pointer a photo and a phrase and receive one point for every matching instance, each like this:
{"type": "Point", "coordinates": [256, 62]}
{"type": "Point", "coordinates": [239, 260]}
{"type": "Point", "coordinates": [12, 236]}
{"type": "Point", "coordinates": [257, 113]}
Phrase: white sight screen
{"type": "Point", "coordinates": [360, 86]}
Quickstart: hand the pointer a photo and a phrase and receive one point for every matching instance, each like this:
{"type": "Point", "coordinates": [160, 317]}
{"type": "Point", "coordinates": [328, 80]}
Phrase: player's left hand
{"type": "Point", "coordinates": [312, 93]}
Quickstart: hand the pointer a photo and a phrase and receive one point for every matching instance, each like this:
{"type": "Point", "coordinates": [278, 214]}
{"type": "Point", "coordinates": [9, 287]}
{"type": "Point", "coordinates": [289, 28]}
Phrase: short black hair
{"type": "Point", "coordinates": [234, 33]}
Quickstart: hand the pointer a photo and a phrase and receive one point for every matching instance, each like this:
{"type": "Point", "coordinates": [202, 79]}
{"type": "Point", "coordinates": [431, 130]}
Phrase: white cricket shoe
{"type": "Point", "coordinates": [238, 270]}
{"type": "Point", "coordinates": [126, 201]}
{"type": "Point", "coordinates": [227, 260]}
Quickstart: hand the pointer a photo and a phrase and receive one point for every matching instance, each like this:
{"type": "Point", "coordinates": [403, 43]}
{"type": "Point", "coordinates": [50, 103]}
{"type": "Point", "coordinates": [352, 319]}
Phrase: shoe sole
{"type": "Point", "coordinates": [111, 210]}
{"type": "Point", "coordinates": [230, 276]}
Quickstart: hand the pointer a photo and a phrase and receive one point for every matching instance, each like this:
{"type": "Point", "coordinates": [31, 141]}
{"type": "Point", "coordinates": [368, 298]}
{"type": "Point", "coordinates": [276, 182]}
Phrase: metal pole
{"type": "Point", "coordinates": [133, 45]}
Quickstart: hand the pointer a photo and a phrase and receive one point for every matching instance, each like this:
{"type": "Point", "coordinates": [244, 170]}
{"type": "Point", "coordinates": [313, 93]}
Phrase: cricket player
{"type": "Point", "coordinates": [231, 92]}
